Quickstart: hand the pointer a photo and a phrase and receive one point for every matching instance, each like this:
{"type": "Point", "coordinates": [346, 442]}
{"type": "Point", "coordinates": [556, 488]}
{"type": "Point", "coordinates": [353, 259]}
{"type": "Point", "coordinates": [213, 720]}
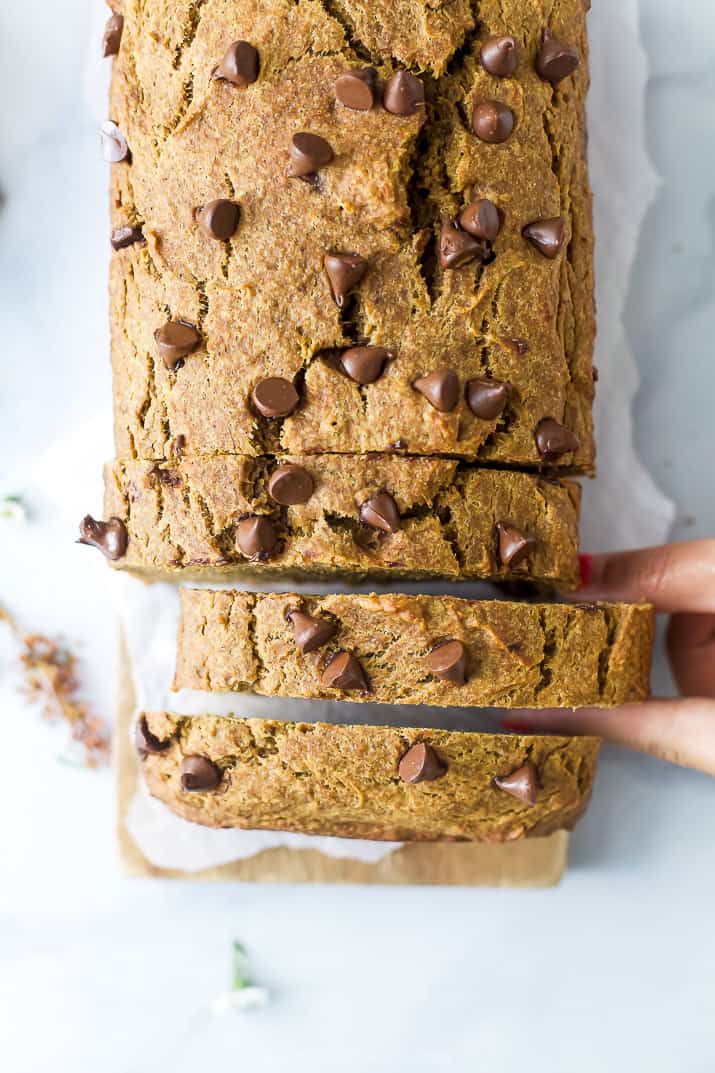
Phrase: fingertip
{"type": "Point", "coordinates": [585, 563]}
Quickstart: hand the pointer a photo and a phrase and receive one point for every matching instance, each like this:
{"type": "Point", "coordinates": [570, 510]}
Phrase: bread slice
{"type": "Point", "coordinates": [438, 519]}
{"type": "Point", "coordinates": [398, 649]}
{"type": "Point", "coordinates": [371, 782]}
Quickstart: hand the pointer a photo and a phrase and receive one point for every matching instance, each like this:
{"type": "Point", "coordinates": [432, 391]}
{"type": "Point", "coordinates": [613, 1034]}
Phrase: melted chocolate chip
{"type": "Point", "coordinates": [110, 537]}
{"type": "Point", "coordinates": [556, 60]}
{"type": "Point", "coordinates": [344, 671]}
{"type": "Point", "coordinates": [365, 364]}
{"type": "Point", "coordinates": [512, 546]}
{"type": "Point", "coordinates": [492, 121]}
{"type": "Point", "coordinates": [380, 512]}
{"type": "Point", "coordinates": [113, 35]}
{"type": "Point", "coordinates": [356, 89]}
{"type": "Point", "coordinates": [440, 388]}
{"type": "Point", "coordinates": [421, 764]}
{"type": "Point", "coordinates": [553, 440]}
{"type": "Point", "coordinates": [344, 271]}
{"type": "Point", "coordinates": [256, 537]}
{"type": "Point", "coordinates": [218, 219]}
{"type": "Point", "coordinates": [122, 237]}
{"type": "Point", "coordinates": [448, 660]}
{"type": "Point", "coordinates": [458, 248]}
{"type": "Point", "coordinates": [404, 94]}
{"type": "Point", "coordinates": [309, 631]}
{"type": "Point", "coordinates": [500, 56]}
{"type": "Point", "coordinates": [175, 340]}
{"type": "Point", "coordinates": [308, 154]}
{"type": "Point", "coordinates": [522, 783]}
{"type": "Point", "coordinates": [290, 485]}
{"type": "Point", "coordinates": [481, 219]}
{"type": "Point", "coordinates": [145, 742]}
{"type": "Point", "coordinates": [198, 774]}
{"type": "Point", "coordinates": [275, 397]}
{"type": "Point", "coordinates": [487, 398]}
{"type": "Point", "coordinates": [547, 236]}
{"type": "Point", "coordinates": [239, 65]}
{"type": "Point", "coordinates": [114, 144]}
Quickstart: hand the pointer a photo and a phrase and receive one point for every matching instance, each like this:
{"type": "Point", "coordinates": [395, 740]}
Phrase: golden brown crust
{"type": "Point", "coordinates": [181, 518]}
{"type": "Point", "coordinates": [517, 655]}
{"type": "Point", "coordinates": [324, 779]}
{"type": "Point", "coordinates": [261, 301]}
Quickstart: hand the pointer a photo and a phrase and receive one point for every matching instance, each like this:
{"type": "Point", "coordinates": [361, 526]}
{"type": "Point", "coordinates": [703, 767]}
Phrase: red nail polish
{"type": "Point", "coordinates": [584, 562]}
{"type": "Point", "coordinates": [515, 725]}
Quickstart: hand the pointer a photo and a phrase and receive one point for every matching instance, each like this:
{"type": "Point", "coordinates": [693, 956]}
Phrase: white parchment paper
{"type": "Point", "coordinates": [622, 508]}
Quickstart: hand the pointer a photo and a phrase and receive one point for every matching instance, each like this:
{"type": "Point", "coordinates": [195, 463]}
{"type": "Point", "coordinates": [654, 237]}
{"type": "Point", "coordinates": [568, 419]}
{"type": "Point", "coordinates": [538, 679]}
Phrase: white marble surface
{"type": "Point", "coordinates": [611, 970]}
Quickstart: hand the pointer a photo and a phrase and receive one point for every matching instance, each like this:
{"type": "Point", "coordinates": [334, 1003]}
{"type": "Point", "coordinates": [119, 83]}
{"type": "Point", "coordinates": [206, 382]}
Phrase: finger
{"type": "Point", "coordinates": [680, 731]}
{"type": "Point", "coordinates": [691, 648]}
{"type": "Point", "coordinates": [674, 577]}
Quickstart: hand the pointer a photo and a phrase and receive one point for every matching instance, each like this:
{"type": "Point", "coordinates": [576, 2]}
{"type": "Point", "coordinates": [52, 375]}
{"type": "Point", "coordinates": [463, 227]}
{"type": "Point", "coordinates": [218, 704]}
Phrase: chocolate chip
{"type": "Point", "coordinates": [310, 632]}
{"type": "Point", "coordinates": [356, 89]}
{"type": "Point", "coordinates": [308, 153]}
{"type": "Point", "coordinates": [218, 219]}
{"type": "Point", "coordinates": [547, 236]}
{"type": "Point", "coordinates": [344, 671]}
{"type": "Point", "coordinates": [198, 773]}
{"type": "Point", "coordinates": [421, 764]}
{"type": "Point", "coordinates": [487, 398]}
{"type": "Point", "coordinates": [481, 218]}
{"type": "Point", "coordinates": [239, 65]}
{"type": "Point", "coordinates": [380, 512]}
{"type": "Point", "coordinates": [365, 364]}
{"type": "Point", "coordinates": [440, 388]}
{"type": "Point", "coordinates": [492, 121]}
{"type": "Point", "coordinates": [110, 537]}
{"type": "Point", "coordinates": [122, 237]}
{"type": "Point", "coordinates": [175, 340]}
{"type": "Point", "coordinates": [500, 56]}
{"type": "Point", "coordinates": [344, 271]}
{"type": "Point", "coordinates": [513, 547]}
{"type": "Point", "coordinates": [146, 742]}
{"type": "Point", "coordinates": [448, 660]}
{"type": "Point", "coordinates": [114, 144]}
{"type": "Point", "coordinates": [521, 783]}
{"type": "Point", "coordinates": [290, 484]}
{"type": "Point", "coordinates": [275, 397]}
{"type": "Point", "coordinates": [113, 35]}
{"type": "Point", "coordinates": [404, 94]}
{"type": "Point", "coordinates": [256, 537]}
{"type": "Point", "coordinates": [553, 440]}
{"type": "Point", "coordinates": [556, 60]}
{"type": "Point", "coordinates": [457, 247]}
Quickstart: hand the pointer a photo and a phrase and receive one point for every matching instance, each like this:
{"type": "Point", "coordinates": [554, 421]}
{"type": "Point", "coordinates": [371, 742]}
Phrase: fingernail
{"type": "Point", "coordinates": [585, 563]}
{"type": "Point", "coordinates": [515, 725]}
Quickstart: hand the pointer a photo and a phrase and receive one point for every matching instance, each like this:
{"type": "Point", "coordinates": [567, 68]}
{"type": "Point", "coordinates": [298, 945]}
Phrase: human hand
{"type": "Point", "coordinates": [679, 580]}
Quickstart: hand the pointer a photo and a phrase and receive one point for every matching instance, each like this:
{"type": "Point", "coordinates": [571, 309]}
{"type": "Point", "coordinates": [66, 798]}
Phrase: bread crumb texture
{"type": "Point", "coordinates": [261, 302]}
{"type": "Point", "coordinates": [344, 780]}
{"type": "Point", "coordinates": [517, 655]}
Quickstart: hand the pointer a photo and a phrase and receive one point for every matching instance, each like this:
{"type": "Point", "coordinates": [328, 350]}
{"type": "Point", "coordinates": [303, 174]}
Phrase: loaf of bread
{"type": "Point", "coordinates": [370, 782]}
{"type": "Point", "coordinates": [343, 514]}
{"type": "Point", "coordinates": [397, 649]}
{"type": "Point", "coordinates": [317, 250]}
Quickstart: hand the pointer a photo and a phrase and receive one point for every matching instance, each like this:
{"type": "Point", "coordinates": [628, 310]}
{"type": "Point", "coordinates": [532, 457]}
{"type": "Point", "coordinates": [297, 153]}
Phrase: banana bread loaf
{"type": "Point", "coordinates": [397, 649]}
{"type": "Point", "coordinates": [338, 227]}
{"type": "Point", "coordinates": [342, 515]}
{"type": "Point", "coordinates": [364, 781]}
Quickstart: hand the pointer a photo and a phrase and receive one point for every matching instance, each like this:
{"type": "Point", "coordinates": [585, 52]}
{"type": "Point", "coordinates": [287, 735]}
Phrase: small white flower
{"type": "Point", "coordinates": [247, 998]}
{"type": "Point", "coordinates": [13, 509]}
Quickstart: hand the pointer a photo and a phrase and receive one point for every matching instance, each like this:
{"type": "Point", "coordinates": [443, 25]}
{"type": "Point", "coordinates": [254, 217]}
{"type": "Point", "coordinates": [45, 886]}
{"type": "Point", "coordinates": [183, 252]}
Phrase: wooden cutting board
{"type": "Point", "coordinates": [535, 862]}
